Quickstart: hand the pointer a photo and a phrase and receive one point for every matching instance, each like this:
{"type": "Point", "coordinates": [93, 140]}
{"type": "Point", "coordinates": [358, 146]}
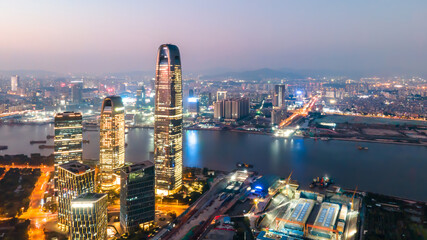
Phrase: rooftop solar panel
{"type": "Point", "coordinates": [329, 217]}
{"type": "Point", "coordinates": [303, 212]}
{"type": "Point", "coordinates": [322, 215]}
{"type": "Point", "coordinates": [297, 210]}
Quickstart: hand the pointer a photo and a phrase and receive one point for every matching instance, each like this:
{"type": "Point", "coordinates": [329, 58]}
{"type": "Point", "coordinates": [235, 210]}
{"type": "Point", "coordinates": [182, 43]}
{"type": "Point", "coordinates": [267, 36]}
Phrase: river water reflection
{"type": "Point", "coordinates": [391, 169]}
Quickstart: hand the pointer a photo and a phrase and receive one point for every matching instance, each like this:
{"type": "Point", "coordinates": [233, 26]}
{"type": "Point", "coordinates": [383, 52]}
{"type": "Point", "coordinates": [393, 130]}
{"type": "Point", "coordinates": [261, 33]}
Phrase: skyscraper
{"type": "Point", "coordinates": [14, 83]}
{"type": "Point", "coordinates": [89, 217]}
{"type": "Point", "coordinates": [112, 140]}
{"type": "Point", "coordinates": [77, 92]}
{"type": "Point", "coordinates": [279, 96]}
{"type": "Point", "coordinates": [68, 137]}
{"type": "Point", "coordinates": [137, 196]}
{"type": "Point", "coordinates": [221, 95]}
{"type": "Point", "coordinates": [140, 97]}
{"type": "Point", "coordinates": [168, 120]}
{"type": "Point", "coordinates": [74, 179]}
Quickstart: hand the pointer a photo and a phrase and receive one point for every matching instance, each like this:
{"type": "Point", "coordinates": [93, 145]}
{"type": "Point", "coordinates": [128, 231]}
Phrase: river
{"type": "Point", "coordinates": [398, 170]}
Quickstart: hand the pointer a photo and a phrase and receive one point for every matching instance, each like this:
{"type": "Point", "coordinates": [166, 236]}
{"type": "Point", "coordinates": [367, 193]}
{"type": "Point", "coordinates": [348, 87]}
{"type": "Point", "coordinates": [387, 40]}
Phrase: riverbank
{"type": "Point", "coordinates": [423, 144]}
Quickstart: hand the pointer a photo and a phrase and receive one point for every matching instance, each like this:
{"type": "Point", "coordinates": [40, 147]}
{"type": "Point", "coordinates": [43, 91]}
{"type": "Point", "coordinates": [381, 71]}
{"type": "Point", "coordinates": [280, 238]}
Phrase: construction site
{"type": "Point", "coordinates": [299, 214]}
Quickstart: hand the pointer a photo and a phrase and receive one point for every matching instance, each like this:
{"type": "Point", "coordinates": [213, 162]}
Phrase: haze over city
{"type": "Point", "coordinates": [213, 120]}
{"type": "Point", "coordinates": [372, 37]}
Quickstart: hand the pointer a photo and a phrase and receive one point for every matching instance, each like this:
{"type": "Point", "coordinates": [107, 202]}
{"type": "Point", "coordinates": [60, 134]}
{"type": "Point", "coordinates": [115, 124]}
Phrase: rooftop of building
{"type": "Point", "coordinates": [75, 167]}
{"type": "Point", "coordinates": [302, 210]}
{"type": "Point", "coordinates": [89, 197]}
{"type": "Point", "coordinates": [137, 166]}
{"type": "Point", "coordinates": [68, 115]}
{"type": "Point", "coordinates": [327, 215]}
{"type": "Point", "coordinates": [113, 104]}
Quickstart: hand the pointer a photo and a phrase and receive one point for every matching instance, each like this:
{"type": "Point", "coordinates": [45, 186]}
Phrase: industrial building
{"type": "Point", "coordinates": [262, 185]}
{"type": "Point", "coordinates": [325, 221]}
{"type": "Point", "coordinates": [295, 223]}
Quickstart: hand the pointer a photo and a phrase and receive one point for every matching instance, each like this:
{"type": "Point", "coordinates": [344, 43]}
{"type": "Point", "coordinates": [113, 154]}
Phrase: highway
{"type": "Point", "coordinates": [302, 112]}
{"type": "Point", "coordinates": [34, 212]}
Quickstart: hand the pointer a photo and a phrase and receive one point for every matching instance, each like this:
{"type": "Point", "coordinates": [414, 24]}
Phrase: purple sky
{"type": "Point", "coordinates": [111, 36]}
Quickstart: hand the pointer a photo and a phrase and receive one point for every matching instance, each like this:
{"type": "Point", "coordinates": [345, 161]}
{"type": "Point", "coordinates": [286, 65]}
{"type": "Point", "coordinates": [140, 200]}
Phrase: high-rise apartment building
{"type": "Point", "coordinates": [89, 217]}
{"type": "Point", "coordinates": [137, 196]}
{"type": "Point", "coordinates": [14, 83]}
{"type": "Point", "coordinates": [73, 179]}
{"type": "Point", "coordinates": [279, 96]}
{"type": "Point", "coordinates": [231, 109]}
{"type": "Point", "coordinates": [168, 120]}
{"type": "Point", "coordinates": [221, 95]}
{"type": "Point", "coordinates": [112, 140]}
{"type": "Point", "coordinates": [68, 139]}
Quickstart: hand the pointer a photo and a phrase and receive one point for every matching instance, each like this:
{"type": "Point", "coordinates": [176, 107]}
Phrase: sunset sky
{"type": "Point", "coordinates": [111, 36]}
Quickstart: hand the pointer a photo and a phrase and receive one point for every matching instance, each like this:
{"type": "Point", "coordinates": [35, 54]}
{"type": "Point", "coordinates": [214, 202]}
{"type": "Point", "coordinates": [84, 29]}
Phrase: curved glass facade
{"type": "Point", "coordinates": [112, 140]}
{"type": "Point", "coordinates": [168, 120]}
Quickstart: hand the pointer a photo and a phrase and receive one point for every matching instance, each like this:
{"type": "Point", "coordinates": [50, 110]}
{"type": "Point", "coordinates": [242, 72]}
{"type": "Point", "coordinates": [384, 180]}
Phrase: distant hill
{"type": "Point", "coordinates": [260, 74]}
{"type": "Point", "coordinates": [29, 73]}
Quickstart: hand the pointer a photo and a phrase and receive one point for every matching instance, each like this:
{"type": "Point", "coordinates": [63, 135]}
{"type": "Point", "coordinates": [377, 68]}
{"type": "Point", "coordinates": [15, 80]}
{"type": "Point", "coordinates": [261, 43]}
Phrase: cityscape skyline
{"type": "Point", "coordinates": [248, 144]}
{"type": "Point", "coordinates": [309, 35]}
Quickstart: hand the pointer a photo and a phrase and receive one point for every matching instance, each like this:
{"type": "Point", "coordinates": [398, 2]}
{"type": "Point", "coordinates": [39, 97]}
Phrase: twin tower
{"type": "Point", "coordinates": [167, 127]}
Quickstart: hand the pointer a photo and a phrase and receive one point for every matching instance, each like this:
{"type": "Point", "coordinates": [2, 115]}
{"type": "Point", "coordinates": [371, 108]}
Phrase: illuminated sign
{"type": "Point", "coordinates": [193, 99]}
{"type": "Point", "coordinates": [119, 109]}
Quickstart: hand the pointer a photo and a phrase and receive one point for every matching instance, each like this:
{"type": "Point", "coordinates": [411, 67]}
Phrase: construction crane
{"type": "Point", "coordinates": [289, 178]}
{"type": "Point", "coordinates": [352, 199]}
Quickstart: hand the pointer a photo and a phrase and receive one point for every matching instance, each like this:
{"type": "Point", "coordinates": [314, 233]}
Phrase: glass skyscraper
{"type": "Point", "coordinates": [68, 137]}
{"type": "Point", "coordinates": [112, 140]}
{"type": "Point", "coordinates": [168, 120]}
{"type": "Point", "coordinates": [74, 179]}
{"type": "Point", "coordinates": [137, 196]}
{"type": "Point", "coordinates": [89, 217]}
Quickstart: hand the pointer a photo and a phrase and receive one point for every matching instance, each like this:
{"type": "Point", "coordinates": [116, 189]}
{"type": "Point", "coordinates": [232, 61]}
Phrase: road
{"type": "Point", "coordinates": [302, 112]}
{"type": "Point", "coordinates": [194, 209]}
{"type": "Point", "coordinates": [34, 212]}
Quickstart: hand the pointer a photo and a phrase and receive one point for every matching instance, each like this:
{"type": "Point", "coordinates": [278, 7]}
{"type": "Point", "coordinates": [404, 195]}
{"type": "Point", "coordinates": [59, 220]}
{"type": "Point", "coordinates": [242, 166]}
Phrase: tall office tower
{"type": "Point", "coordinates": [221, 95]}
{"type": "Point", "coordinates": [14, 83]}
{"type": "Point", "coordinates": [205, 99]}
{"type": "Point", "coordinates": [112, 140]}
{"type": "Point", "coordinates": [193, 106]}
{"type": "Point", "coordinates": [168, 120]}
{"type": "Point", "coordinates": [68, 137]}
{"type": "Point", "coordinates": [89, 217]}
{"type": "Point", "coordinates": [137, 196]}
{"type": "Point", "coordinates": [77, 92]}
{"type": "Point", "coordinates": [279, 96]}
{"type": "Point", "coordinates": [140, 97]}
{"type": "Point", "coordinates": [190, 93]}
{"type": "Point", "coordinates": [74, 179]}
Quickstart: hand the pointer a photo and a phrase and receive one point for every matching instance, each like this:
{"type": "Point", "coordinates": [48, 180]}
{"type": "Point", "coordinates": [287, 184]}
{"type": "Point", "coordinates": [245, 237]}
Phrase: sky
{"type": "Point", "coordinates": [99, 36]}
